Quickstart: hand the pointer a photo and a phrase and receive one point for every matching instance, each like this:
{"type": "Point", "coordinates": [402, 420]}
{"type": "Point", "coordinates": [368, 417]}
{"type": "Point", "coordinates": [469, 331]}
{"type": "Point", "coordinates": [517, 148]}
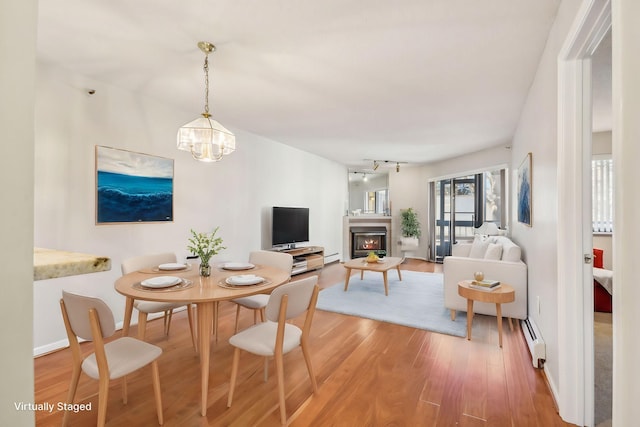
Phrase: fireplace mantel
{"type": "Point", "coordinates": [364, 221]}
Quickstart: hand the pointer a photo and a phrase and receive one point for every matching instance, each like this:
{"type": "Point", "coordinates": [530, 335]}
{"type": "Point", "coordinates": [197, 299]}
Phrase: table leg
{"type": "Point", "coordinates": [386, 283]}
{"type": "Point", "coordinates": [346, 280]}
{"type": "Point", "coordinates": [469, 317]}
{"type": "Point", "coordinates": [361, 274]}
{"type": "Point", "coordinates": [205, 314]}
{"type": "Point", "coordinates": [128, 311]}
{"type": "Point", "coordinates": [399, 274]}
{"type": "Point", "coordinates": [510, 324]}
{"type": "Point", "coordinates": [499, 315]}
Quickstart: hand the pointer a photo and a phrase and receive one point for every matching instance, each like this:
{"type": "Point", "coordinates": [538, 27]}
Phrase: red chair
{"type": "Point", "coordinates": [601, 298]}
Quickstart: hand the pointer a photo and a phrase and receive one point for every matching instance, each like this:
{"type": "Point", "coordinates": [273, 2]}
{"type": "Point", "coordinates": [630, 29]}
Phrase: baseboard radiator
{"type": "Point", "coordinates": [536, 344]}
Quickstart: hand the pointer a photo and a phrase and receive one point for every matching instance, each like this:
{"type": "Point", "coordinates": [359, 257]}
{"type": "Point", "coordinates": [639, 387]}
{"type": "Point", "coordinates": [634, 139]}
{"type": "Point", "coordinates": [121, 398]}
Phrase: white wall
{"type": "Point", "coordinates": [17, 72]}
{"type": "Point", "coordinates": [408, 189]}
{"type": "Point", "coordinates": [235, 194]}
{"type": "Point", "coordinates": [537, 133]}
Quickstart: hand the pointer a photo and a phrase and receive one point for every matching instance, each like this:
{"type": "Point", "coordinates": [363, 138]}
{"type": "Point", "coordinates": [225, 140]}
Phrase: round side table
{"type": "Point", "coordinates": [504, 294]}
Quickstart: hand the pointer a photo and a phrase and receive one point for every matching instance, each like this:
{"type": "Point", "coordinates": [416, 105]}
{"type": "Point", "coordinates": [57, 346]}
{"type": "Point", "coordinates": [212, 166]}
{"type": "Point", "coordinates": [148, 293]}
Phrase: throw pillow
{"type": "Point", "coordinates": [479, 247]}
{"type": "Point", "coordinates": [494, 251]}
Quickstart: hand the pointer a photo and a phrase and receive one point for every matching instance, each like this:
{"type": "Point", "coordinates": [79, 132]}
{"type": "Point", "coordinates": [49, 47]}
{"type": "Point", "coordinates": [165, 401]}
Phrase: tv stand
{"type": "Point", "coordinates": [306, 258]}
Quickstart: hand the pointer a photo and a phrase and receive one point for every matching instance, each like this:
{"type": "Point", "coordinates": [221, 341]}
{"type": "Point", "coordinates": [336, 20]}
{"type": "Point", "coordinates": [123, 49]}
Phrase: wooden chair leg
{"type": "Point", "coordinates": [237, 318]}
{"type": "Point", "coordinates": [453, 315]}
{"type": "Point", "coordinates": [255, 317]}
{"type": "Point", "coordinates": [103, 398]}
{"type": "Point", "coordinates": [280, 374]}
{"type": "Point", "coordinates": [73, 387]}
{"type": "Point", "coordinates": [142, 325]}
{"type": "Point", "coordinates": [234, 374]}
{"type": "Point", "coordinates": [155, 375]}
{"type": "Point", "coordinates": [194, 340]}
{"type": "Point", "coordinates": [262, 315]}
{"type": "Point", "coordinates": [307, 359]}
{"type": "Point", "coordinates": [167, 321]}
{"type": "Point", "coordinates": [125, 393]}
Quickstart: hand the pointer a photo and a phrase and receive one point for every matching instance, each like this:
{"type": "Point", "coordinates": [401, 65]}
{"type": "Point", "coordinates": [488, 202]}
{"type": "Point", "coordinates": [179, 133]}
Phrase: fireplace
{"type": "Point", "coordinates": [368, 239]}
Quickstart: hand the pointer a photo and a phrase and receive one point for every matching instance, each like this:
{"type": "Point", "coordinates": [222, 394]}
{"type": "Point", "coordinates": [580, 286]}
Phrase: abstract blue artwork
{"type": "Point", "coordinates": [132, 187]}
{"type": "Point", "coordinates": [524, 191]}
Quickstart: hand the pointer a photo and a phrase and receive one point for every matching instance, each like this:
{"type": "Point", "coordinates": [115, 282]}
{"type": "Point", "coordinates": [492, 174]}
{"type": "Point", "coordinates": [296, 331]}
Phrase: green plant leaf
{"type": "Point", "coordinates": [205, 245]}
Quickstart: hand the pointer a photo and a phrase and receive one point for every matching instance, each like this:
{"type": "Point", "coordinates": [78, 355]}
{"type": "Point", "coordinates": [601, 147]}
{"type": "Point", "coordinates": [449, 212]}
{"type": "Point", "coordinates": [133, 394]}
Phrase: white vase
{"type": "Point", "coordinates": [409, 243]}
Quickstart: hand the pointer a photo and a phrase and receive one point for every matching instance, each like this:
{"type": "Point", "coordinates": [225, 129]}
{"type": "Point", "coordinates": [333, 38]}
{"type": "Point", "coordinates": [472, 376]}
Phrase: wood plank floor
{"type": "Point", "coordinates": [369, 373]}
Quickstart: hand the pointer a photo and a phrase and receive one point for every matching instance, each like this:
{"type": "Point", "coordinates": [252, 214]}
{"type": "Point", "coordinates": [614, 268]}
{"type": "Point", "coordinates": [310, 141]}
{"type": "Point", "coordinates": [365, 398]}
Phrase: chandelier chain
{"type": "Point", "coordinates": [206, 84]}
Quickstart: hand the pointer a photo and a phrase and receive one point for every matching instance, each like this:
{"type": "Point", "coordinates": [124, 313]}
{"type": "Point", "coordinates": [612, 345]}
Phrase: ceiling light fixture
{"type": "Point", "coordinates": [387, 163]}
{"type": "Point", "coordinates": [206, 139]}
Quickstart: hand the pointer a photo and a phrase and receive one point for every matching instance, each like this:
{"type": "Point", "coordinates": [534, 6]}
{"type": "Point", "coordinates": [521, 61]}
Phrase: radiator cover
{"type": "Point", "coordinates": [535, 342]}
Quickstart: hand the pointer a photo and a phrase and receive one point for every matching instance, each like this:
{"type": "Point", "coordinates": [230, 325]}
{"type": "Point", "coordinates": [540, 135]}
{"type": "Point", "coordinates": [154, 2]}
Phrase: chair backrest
{"type": "Point", "coordinates": [130, 265]}
{"type": "Point", "coordinates": [299, 294]}
{"type": "Point", "coordinates": [77, 308]}
{"type": "Point", "coordinates": [279, 260]}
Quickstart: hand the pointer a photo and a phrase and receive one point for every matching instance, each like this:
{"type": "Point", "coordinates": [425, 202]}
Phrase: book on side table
{"type": "Point", "coordinates": [485, 285]}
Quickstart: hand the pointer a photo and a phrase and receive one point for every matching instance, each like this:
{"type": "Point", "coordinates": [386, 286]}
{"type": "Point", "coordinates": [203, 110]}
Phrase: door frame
{"type": "Point", "coordinates": [575, 277]}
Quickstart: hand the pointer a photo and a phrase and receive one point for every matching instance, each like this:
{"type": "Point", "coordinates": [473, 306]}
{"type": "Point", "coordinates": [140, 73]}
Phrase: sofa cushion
{"type": "Point", "coordinates": [494, 251]}
{"type": "Point", "coordinates": [510, 251]}
{"type": "Point", "coordinates": [479, 246]}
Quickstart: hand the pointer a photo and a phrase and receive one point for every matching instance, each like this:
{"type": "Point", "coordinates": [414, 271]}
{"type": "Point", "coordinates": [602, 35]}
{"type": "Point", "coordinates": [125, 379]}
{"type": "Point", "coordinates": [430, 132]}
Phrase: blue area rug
{"type": "Point", "coordinates": [416, 301]}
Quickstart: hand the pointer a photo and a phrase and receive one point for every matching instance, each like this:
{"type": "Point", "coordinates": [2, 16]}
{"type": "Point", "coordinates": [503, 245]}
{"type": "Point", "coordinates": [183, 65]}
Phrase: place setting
{"type": "Point", "coordinates": [170, 266]}
{"type": "Point", "coordinates": [237, 266]}
{"type": "Point", "coordinates": [163, 284]}
{"type": "Point", "coordinates": [241, 280]}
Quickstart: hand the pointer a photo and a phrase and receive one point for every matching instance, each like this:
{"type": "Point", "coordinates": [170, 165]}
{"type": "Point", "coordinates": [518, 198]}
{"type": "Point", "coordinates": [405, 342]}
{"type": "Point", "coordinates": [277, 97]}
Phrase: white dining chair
{"type": "Point", "coordinates": [91, 319]}
{"type": "Point", "coordinates": [276, 336]}
{"type": "Point", "coordinates": [257, 303]}
{"type": "Point", "coordinates": [148, 307]}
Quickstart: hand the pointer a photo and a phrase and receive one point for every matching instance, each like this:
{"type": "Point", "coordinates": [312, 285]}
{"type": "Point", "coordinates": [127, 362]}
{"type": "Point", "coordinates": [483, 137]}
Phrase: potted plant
{"type": "Point", "coordinates": [205, 245]}
{"type": "Point", "coordinates": [410, 227]}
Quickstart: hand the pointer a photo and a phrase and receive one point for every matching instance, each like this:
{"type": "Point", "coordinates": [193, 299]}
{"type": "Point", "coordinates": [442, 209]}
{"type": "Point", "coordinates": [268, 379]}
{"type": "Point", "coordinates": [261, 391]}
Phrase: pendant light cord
{"type": "Point", "coordinates": [206, 85]}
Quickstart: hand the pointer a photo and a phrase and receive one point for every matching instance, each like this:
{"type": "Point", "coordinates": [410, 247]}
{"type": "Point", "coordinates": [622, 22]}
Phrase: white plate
{"type": "Point", "coordinates": [244, 279]}
{"type": "Point", "coordinates": [172, 266]}
{"type": "Point", "coordinates": [161, 282]}
{"type": "Point", "coordinates": [238, 266]}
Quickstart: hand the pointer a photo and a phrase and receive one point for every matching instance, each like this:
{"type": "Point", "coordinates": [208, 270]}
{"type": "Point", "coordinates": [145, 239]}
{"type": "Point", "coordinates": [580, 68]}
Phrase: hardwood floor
{"type": "Point", "coordinates": [369, 373]}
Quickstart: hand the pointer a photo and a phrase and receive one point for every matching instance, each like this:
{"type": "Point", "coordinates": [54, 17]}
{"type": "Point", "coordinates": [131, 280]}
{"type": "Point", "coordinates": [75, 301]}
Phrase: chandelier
{"type": "Point", "coordinates": [206, 139]}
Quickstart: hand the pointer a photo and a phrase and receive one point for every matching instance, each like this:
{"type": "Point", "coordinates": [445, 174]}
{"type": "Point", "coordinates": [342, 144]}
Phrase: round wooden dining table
{"type": "Point", "coordinates": [204, 292]}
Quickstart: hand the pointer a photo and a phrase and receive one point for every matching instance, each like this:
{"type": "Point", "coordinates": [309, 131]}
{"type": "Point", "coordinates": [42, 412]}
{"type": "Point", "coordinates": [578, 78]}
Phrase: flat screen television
{"type": "Point", "coordinates": [289, 226]}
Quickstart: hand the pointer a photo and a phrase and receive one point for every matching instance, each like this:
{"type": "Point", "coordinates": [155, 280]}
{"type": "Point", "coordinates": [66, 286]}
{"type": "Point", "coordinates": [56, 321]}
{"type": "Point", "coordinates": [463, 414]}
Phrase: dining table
{"type": "Point", "coordinates": [204, 292]}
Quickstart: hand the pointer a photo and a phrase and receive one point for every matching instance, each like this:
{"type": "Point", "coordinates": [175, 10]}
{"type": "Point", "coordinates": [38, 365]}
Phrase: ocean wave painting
{"type": "Point", "coordinates": [133, 187]}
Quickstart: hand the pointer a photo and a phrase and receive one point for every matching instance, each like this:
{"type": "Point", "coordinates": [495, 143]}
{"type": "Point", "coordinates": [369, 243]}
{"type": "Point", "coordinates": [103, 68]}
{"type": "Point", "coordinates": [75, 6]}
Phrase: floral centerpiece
{"type": "Point", "coordinates": [205, 245]}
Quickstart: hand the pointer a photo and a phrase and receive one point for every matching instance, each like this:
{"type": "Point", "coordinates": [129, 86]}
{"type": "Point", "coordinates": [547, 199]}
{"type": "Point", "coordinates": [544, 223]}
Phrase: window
{"type": "Point", "coordinates": [602, 193]}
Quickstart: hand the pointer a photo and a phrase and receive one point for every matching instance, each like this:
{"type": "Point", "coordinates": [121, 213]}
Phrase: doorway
{"type": "Point", "coordinates": [575, 238]}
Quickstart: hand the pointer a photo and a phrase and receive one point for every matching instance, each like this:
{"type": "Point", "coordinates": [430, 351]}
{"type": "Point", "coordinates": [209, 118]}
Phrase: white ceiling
{"type": "Point", "coordinates": [412, 80]}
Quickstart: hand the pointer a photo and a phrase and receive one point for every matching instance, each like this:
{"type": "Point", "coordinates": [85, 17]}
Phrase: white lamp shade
{"type": "Point", "coordinates": [206, 139]}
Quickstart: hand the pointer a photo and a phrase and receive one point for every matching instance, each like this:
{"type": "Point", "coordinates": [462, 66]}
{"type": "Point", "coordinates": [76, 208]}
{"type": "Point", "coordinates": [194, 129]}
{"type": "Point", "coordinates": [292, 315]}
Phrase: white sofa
{"type": "Point", "coordinates": [498, 258]}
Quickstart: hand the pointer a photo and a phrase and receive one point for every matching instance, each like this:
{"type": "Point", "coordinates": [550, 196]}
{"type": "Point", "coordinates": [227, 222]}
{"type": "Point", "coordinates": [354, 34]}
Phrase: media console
{"type": "Point", "coordinates": [306, 258]}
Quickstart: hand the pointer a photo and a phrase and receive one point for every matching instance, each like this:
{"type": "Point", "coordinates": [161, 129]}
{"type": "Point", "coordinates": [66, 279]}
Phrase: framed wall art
{"type": "Point", "coordinates": [132, 187]}
{"type": "Point", "coordinates": [524, 191]}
